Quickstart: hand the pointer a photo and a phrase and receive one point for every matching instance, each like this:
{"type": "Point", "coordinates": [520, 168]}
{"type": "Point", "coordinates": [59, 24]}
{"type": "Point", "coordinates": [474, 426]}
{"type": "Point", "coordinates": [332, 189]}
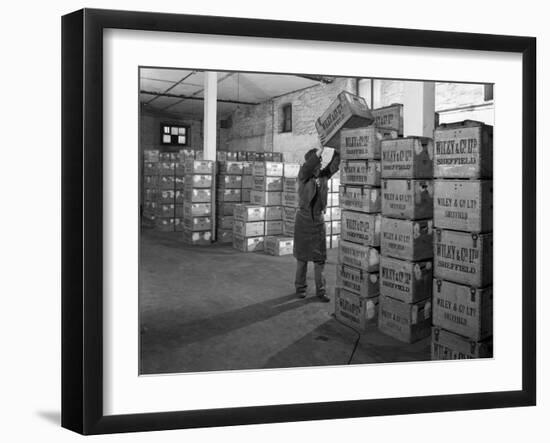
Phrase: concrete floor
{"type": "Point", "coordinates": [212, 308]}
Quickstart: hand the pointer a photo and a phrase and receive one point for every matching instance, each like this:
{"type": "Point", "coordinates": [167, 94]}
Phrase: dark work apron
{"type": "Point", "coordinates": [310, 242]}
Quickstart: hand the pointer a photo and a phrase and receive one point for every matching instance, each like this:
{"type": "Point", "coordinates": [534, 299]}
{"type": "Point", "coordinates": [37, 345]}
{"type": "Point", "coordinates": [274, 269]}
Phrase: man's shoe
{"type": "Point", "coordinates": [324, 298]}
{"type": "Point", "coordinates": [301, 294]}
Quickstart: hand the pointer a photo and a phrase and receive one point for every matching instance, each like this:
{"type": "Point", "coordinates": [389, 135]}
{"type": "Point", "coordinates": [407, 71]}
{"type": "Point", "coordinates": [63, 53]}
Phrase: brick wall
{"type": "Point", "coordinates": [259, 128]}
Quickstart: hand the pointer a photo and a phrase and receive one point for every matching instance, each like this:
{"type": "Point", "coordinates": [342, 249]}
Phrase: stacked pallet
{"type": "Point", "coordinates": [357, 278]}
{"type": "Point", "coordinates": [197, 209]}
{"type": "Point", "coordinates": [463, 243]}
{"type": "Point", "coordinates": [407, 238]}
{"type": "Point", "coordinates": [228, 193]}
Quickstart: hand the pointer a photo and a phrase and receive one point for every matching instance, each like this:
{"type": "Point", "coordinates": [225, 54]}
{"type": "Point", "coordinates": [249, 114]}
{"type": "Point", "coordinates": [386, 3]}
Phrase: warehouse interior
{"type": "Point", "coordinates": [213, 307]}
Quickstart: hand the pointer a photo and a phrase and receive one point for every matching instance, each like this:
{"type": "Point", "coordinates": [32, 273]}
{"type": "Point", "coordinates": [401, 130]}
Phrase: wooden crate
{"type": "Point", "coordinates": [273, 212]}
{"type": "Point", "coordinates": [178, 224]}
{"type": "Point", "coordinates": [150, 195]}
{"type": "Point", "coordinates": [291, 170]}
{"type": "Point", "coordinates": [165, 224]}
{"type": "Point", "coordinates": [269, 198]}
{"type": "Point", "coordinates": [151, 181]}
{"type": "Point", "coordinates": [248, 229]}
{"type": "Point", "coordinates": [194, 195]}
{"type": "Point", "coordinates": [289, 214]}
{"type": "Point", "coordinates": [197, 238]}
{"type": "Point", "coordinates": [249, 213]}
{"type": "Point", "coordinates": [247, 182]}
{"type": "Point", "coordinates": [248, 244]}
{"type": "Point", "coordinates": [229, 195]}
{"type": "Point", "coordinates": [166, 181]}
{"type": "Point", "coordinates": [288, 228]}
{"type": "Point", "coordinates": [463, 258]}
{"type": "Point", "coordinates": [407, 322]}
{"type": "Point", "coordinates": [273, 227]}
{"type": "Point", "coordinates": [390, 117]}
{"type": "Point", "coordinates": [150, 168]}
{"type": "Point", "coordinates": [361, 228]}
{"type": "Point", "coordinates": [409, 157]}
{"type": "Point", "coordinates": [277, 157]}
{"type": "Point", "coordinates": [166, 196]}
{"type": "Point", "coordinates": [241, 156]}
{"type": "Point", "coordinates": [230, 167]}
{"type": "Point", "coordinates": [179, 196]}
{"type": "Point", "coordinates": [166, 168]}
{"type": "Point", "coordinates": [245, 195]}
{"type": "Point", "coordinates": [359, 256]}
{"type": "Point", "coordinates": [363, 143]}
{"type": "Point", "coordinates": [360, 172]}
{"type": "Point", "coordinates": [360, 198]}
{"type": "Point", "coordinates": [407, 199]}
{"type": "Point", "coordinates": [225, 208]}
{"type": "Point", "coordinates": [449, 346]}
{"type": "Point", "coordinates": [225, 222]}
{"type": "Point", "coordinates": [266, 183]}
{"type": "Point", "coordinates": [166, 210]}
{"type": "Point", "coordinates": [224, 235]}
{"type": "Point", "coordinates": [358, 281]}
{"type": "Point", "coordinates": [267, 169]}
{"type": "Point", "coordinates": [346, 111]}
{"type": "Point", "coordinates": [463, 310]}
{"type": "Point", "coordinates": [193, 166]}
{"type": "Point", "coordinates": [406, 239]}
{"type": "Point", "coordinates": [151, 155]}
{"type": "Point", "coordinates": [405, 280]}
{"type": "Point", "coordinates": [199, 180]}
{"type": "Point", "coordinates": [197, 223]}
{"type": "Point", "coordinates": [229, 181]}
{"type": "Point", "coordinates": [463, 205]}
{"type": "Point", "coordinates": [278, 245]}
{"type": "Point", "coordinates": [463, 150]}
{"type": "Point", "coordinates": [197, 209]}
{"type": "Point", "coordinates": [290, 184]}
{"type": "Point", "coordinates": [164, 157]}
{"type": "Point", "coordinates": [353, 310]}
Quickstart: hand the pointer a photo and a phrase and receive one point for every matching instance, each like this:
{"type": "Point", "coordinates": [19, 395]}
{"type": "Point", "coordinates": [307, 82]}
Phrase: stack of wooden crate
{"type": "Point", "coordinates": [248, 181]}
{"type": "Point", "coordinates": [357, 290]}
{"type": "Point", "coordinates": [333, 213]}
{"type": "Point", "coordinates": [290, 199]}
{"type": "Point", "coordinates": [197, 210]}
{"type": "Point", "coordinates": [228, 191]}
{"type": "Point", "coordinates": [150, 187]}
{"type": "Point", "coordinates": [463, 243]}
{"type": "Point", "coordinates": [249, 227]}
{"type": "Point", "coordinates": [406, 263]}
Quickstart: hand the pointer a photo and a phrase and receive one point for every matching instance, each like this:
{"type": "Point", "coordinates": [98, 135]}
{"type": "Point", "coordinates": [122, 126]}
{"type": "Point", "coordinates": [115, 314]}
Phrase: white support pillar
{"type": "Point", "coordinates": [419, 109]}
{"type": "Point", "coordinates": [210, 114]}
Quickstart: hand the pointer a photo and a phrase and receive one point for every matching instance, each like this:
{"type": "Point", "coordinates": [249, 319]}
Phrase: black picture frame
{"type": "Point", "coordinates": [82, 215]}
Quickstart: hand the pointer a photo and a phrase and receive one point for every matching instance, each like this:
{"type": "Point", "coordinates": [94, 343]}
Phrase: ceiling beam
{"type": "Point", "coordinates": [220, 79]}
{"type": "Point", "coordinates": [174, 85]}
{"type": "Point", "coordinates": [191, 97]}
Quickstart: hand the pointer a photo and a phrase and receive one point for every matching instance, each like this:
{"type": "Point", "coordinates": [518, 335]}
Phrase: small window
{"type": "Point", "coordinates": [174, 134]}
{"type": "Point", "coordinates": [488, 92]}
{"type": "Point", "coordinates": [287, 118]}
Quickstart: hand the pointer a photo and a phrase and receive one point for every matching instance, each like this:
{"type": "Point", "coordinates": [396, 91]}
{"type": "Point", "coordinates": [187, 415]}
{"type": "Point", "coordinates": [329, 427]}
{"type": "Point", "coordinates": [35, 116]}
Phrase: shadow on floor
{"type": "Point", "coordinates": [221, 324]}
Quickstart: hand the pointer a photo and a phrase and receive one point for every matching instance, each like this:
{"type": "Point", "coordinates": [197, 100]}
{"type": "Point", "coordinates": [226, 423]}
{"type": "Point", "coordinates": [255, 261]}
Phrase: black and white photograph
{"type": "Point", "coordinates": [300, 220]}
